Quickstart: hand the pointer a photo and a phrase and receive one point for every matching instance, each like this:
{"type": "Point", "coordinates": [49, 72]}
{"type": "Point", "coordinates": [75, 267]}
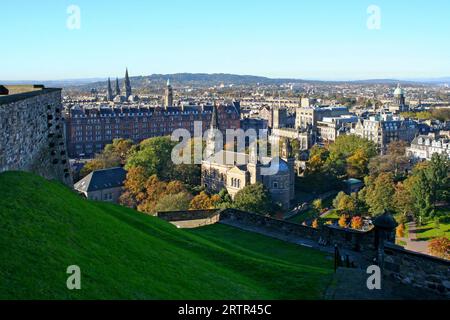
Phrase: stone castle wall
{"type": "Point", "coordinates": [418, 270]}
{"type": "Point", "coordinates": [32, 134]}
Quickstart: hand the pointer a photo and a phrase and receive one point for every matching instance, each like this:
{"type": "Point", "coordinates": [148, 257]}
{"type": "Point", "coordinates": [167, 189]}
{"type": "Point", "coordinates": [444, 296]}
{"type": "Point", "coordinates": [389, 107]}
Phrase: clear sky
{"type": "Point", "coordinates": [320, 39]}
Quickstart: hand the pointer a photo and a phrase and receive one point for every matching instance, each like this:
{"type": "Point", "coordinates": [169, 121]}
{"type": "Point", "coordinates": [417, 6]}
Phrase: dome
{"type": "Point", "coordinates": [399, 91]}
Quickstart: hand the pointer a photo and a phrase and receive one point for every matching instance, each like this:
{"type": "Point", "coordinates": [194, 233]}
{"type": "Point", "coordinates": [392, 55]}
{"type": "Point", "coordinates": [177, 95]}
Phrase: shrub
{"type": "Point", "coordinates": [400, 231]}
{"type": "Point", "coordinates": [343, 221]}
{"type": "Point", "coordinates": [357, 223]}
{"type": "Point", "coordinates": [440, 247]}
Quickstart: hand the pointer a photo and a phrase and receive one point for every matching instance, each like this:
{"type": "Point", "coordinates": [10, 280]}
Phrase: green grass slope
{"type": "Point", "coordinates": [45, 227]}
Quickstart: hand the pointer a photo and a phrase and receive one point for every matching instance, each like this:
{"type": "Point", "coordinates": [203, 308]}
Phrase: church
{"type": "Point", "coordinates": [218, 172]}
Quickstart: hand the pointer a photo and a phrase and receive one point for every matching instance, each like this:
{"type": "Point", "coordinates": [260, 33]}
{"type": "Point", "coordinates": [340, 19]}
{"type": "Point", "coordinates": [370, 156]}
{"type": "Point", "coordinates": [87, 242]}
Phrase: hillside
{"type": "Point", "coordinates": [45, 227]}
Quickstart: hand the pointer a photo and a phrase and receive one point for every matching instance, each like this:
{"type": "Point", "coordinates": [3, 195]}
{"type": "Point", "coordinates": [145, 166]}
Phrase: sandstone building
{"type": "Point", "coordinates": [219, 173]}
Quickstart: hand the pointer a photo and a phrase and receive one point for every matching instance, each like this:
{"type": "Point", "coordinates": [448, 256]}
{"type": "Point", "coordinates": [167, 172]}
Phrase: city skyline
{"type": "Point", "coordinates": [291, 39]}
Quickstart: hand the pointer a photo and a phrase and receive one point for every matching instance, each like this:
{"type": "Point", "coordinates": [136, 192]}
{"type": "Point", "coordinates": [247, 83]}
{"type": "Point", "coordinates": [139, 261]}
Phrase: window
{"type": "Point", "coordinates": [275, 185]}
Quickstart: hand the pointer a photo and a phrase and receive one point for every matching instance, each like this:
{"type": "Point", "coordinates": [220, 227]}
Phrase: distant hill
{"type": "Point", "coordinates": [123, 254]}
{"type": "Point", "coordinates": [204, 80]}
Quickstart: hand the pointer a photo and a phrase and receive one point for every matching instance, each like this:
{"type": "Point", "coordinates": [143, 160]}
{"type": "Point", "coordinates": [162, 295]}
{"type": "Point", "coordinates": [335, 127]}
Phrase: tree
{"type": "Point", "coordinates": [134, 187]}
{"type": "Point", "coordinates": [201, 202]}
{"type": "Point", "coordinates": [343, 221]}
{"type": "Point", "coordinates": [437, 174]}
{"type": "Point", "coordinates": [400, 231]}
{"type": "Point", "coordinates": [224, 200]}
{"type": "Point", "coordinates": [357, 164]}
{"type": "Point", "coordinates": [155, 156]}
{"type": "Point", "coordinates": [403, 197]}
{"type": "Point", "coordinates": [394, 161]}
{"type": "Point", "coordinates": [317, 205]}
{"type": "Point", "coordinates": [357, 223]}
{"type": "Point", "coordinates": [345, 203]}
{"type": "Point", "coordinates": [379, 194]}
{"type": "Point", "coordinates": [440, 247]}
{"type": "Point", "coordinates": [254, 198]}
{"type": "Point", "coordinates": [350, 154]}
{"type": "Point", "coordinates": [421, 192]}
{"type": "Point", "coordinates": [113, 155]}
{"type": "Point", "coordinates": [174, 202]}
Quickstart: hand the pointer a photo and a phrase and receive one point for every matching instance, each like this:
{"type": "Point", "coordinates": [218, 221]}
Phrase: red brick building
{"type": "Point", "coordinates": [89, 129]}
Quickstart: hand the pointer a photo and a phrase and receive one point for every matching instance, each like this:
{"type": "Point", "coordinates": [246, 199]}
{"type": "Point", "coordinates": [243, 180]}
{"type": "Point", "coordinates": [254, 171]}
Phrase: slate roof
{"type": "Point", "coordinates": [102, 179]}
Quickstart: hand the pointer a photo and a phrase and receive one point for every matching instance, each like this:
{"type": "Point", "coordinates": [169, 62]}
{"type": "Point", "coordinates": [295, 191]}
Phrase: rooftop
{"type": "Point", "coordinates": [102, 179]}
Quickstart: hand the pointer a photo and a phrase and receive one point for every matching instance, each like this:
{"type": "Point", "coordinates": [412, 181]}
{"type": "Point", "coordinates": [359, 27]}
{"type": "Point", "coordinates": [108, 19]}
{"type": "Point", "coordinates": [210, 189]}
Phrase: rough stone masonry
{"type": "Point", "coordinates": [32, 134]}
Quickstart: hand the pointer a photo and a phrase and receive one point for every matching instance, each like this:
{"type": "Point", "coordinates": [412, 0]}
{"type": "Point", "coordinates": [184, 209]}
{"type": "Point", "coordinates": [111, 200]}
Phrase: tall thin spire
{"type": "Point", "coordinates": [214, 118]}
{"type": "Point", "coordinates": [109, 94]}
{"type": "Point", "coordinates": [117, 87]}
{"type": "Point", "coordinates": [127, 85]}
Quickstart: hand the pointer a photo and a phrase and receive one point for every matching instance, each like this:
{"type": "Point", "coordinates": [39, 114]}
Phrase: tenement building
{"type": "Point", "coordinates": [423, 147]}
{"type": "Point", "coordinates": [91, 128]}
{"type": "Point", "coordinates": [384, 128]}
{"type": "Point", "coordinates": [32, 132]}
{"type": "Point", "coordinates": [309, 116]}
{"type": "Point", "coordinates": [218, 172]}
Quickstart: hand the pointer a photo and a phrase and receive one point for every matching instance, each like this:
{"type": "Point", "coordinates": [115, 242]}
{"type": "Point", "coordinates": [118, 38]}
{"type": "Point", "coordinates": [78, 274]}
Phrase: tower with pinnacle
{"type": "Point", "coordinates": [127, 85]}
{"type": "Point", "coordinates": [212, 145]}
{"type": "Point", "coordinates": [117, 87]}
{"type": "Point", "coordinates": [169, 95]}
{"type": "Point", "coordinates": [109, 93]}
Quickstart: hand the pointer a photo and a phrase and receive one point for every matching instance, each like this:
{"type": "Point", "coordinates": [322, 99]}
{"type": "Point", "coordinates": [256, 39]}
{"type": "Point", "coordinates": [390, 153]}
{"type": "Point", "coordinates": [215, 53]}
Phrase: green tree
{"type": "Point", "coordinates": [155, 156]}
{"type": "Point", "coordinates": [174, 202]}
{"type": "Point", "coordinates": [254, 198]}
{"type": "Point", "coordinates": [379, 194]}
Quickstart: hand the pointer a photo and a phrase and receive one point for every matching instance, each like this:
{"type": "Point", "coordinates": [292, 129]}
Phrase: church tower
{"type": "Point", "coordinates": [117, 87]}
{"type": "Point", "coordinates": [287, 155]}
{"type": "Point", "coordinates": [127, 85]}
{"type": "Point", "coordinates": [212, 145]}
{"type": "Point", "coordinates": [109, 94]}
{"type": "Point", "coordinates": [169, 95]}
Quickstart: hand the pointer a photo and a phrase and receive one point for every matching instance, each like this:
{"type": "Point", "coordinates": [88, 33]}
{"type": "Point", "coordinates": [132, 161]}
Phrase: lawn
{"type": "Point", "coordinates": [122, 254]}
{"type": "Point", "coordinates": [429, 231]}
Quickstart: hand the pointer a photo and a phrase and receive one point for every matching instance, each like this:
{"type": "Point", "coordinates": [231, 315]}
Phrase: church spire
{"type": "Point", "coordinates": [214, 118]}
{"type": "Point", "coordinates": [127, 85]}
{"type": "Point", "coordinates": [109, 94]}
{"type": "Point", "coordinates": [117, 87]}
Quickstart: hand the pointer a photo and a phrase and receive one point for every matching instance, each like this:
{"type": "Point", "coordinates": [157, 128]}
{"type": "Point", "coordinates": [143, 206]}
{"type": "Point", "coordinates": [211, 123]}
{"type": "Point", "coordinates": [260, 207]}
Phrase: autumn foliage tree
{"type": "Point", "coordinates": [343, 221]}
{"type": "Point", "coordinates": [357, 223]}
{"type": "Point", "coordinates": [400, 231]}
{"type": "Point", "coordinates": [440, 247]}
{"type": "Point", "coordinates": [204, 202]}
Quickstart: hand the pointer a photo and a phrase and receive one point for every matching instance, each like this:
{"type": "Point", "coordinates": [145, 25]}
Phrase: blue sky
{"type": "Point", "coordinates": [320, 39]}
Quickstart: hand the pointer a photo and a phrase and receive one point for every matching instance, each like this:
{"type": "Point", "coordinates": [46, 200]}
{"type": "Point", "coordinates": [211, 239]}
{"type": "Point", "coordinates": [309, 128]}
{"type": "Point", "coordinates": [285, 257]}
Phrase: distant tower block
{"type": "Point", "coordinates": [169, 95]}
{"type": "Point", "coordinates": [127, 85]}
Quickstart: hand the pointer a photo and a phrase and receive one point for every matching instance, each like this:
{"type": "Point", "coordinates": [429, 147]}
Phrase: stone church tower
{"type": "Point", "coordinates": [212, 145]}
{"type": "Point", "coordinates": [287, 155]}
